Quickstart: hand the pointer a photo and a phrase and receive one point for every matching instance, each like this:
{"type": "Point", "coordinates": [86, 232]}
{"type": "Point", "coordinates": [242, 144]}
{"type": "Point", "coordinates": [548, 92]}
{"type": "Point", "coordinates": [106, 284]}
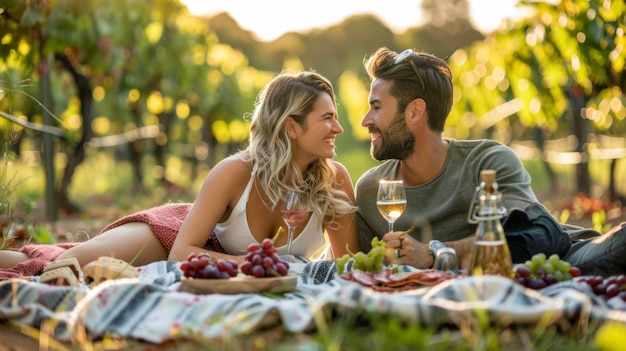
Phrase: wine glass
{"type": "Point", "coordinates": [293, 213]}
{"type": "Point", "coordinates": [391, 200]}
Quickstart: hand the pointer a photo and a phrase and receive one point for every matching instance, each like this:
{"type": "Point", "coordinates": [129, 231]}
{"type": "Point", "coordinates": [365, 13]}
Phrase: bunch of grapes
{"type": "Point", "coordinates": [368, 262]}
{"type": "Point", "coordinates": [262, 261]}
{"type": "Point", "coordinates": [606, 287]}
{"type": "Point", "coordinates": [541, 271]}
{"type": "Point", "coordinates": [204, 266]}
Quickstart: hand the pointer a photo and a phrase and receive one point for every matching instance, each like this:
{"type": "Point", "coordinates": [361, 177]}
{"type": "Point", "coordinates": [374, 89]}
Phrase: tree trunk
{"type": "Point", "coordinates": [77, 155]}
{"type": "Point", "coordinates": [580, 129]}
{"type": "Point", "coordinates": [52, 212]}
{"type": "Point", "coordinates": [135, 149]}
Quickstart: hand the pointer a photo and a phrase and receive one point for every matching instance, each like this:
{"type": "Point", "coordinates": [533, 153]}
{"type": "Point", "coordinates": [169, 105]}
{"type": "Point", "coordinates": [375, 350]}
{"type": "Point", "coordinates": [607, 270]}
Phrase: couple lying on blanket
{"type": "Point", "coordinates": [595, 254]}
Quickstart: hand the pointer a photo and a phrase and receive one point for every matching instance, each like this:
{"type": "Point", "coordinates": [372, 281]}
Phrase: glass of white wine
{"type": "Point", "coordinates": [391, 200]}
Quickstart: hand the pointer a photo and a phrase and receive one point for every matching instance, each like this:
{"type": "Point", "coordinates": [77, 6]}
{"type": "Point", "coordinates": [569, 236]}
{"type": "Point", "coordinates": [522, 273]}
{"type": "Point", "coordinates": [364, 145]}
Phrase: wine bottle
{"type": "Point", "coordinates": [491, 254]}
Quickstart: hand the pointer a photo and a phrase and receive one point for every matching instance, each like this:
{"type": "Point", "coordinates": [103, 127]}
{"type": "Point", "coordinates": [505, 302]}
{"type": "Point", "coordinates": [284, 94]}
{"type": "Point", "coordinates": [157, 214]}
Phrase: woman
{"type": "Point", "coordinates": [292, 143]}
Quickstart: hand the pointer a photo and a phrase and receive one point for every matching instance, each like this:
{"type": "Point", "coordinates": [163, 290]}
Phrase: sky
{"type": "Point", "coordinates": [298, 16]}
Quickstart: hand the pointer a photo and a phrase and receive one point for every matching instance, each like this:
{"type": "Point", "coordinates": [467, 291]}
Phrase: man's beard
{"type": "Point", "coordinates": [397, 141]}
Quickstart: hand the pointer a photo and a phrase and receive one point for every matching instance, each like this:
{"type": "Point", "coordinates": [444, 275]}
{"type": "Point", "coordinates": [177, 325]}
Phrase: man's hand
{"type": "Point", "coordinates": [403, 249]}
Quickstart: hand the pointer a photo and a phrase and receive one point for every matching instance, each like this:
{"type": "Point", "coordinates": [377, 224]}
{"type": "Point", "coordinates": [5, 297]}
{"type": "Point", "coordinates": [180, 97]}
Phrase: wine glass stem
{"type": "Point", "coordinates": [289, 238]}
{"type": "Point", "coordinates": [390, 227]}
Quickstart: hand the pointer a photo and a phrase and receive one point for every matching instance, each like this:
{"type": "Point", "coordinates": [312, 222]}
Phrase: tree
{"type": "Point", "coordinates": [152, 64]}
{"type": "Point", "coordinates": [447, 28]}
{"type": "Point", "coordinates": [559, 70]}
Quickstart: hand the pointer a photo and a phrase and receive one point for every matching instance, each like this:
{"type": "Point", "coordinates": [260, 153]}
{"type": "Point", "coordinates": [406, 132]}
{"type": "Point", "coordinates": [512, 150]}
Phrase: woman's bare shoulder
{"type": "Point", "coordinates": [340, 168]}
{"type": "Point", "coordinates": [232, 169]}
{"type": "Point", "coordinates": [342, 173]}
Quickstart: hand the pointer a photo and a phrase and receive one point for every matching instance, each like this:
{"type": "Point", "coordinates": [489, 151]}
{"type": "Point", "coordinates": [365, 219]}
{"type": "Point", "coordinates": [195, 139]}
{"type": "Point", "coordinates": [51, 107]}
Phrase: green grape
{"type": "Point", "coordinates": [559, 276]}
{"type": "Point", "coordinates": [369, 262]}
{"type": "Point", "coordinates": [548, 267]}
{"type": "Point", "coordinates": [376, 242]}
{"type": "Point", "coordinates": [377, 252]}
{"type": "Point", "coordinates": [564, 266]}
{"type": "Point", "coordinates": [538, 259]}
{"type": "Point", "coordinates": [341, 263]}
{"type": "Point", "coordinates": [554, 259]}
{"type": "Point", "coordinates": [359, 260]}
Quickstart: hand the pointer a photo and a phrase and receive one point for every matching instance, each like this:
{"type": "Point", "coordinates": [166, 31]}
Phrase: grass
{"type": "Point", "coordinates": [363, 331]}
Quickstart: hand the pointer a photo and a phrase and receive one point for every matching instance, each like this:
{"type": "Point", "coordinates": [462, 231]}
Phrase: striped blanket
{"type": "Point", "coordinates": [153, 309]}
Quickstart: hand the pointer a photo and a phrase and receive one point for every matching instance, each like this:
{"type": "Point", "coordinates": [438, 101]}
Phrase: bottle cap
{"type": "Point", "coordinates": [488, 176]}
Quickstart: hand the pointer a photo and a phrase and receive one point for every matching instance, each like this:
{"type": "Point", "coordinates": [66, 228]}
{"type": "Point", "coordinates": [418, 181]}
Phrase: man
{"type": "Point", "coordinates": [410, 99]}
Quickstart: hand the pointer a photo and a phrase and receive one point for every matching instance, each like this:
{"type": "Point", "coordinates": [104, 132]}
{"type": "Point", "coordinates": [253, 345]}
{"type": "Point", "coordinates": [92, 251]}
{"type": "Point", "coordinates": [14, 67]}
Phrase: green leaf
{"type": "Point", "coordinates": [9, 4]}
{"type": "Point", "coordinates": [31, 17]}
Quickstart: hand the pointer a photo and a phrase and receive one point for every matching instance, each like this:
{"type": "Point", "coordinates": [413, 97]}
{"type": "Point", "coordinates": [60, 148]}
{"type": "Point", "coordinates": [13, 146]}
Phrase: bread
{"type": "Point", "coordinates": [106, 268]}
{"type": "Point", "coordinates": [59, 276]}
{"type": "Point", "coordinates": [62, 272]}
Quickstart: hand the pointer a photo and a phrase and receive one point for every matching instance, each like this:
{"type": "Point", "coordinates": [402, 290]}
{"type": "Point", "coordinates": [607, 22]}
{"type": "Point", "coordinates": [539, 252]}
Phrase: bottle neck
{"type": "Point", "coordinates": [489, 207]}
{"type": "Point", "coordinates": [486, 203]}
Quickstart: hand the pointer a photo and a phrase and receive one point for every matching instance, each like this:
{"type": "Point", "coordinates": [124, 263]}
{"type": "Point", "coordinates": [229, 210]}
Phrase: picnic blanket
{"type": "Point", "coordinates": [153, 309]}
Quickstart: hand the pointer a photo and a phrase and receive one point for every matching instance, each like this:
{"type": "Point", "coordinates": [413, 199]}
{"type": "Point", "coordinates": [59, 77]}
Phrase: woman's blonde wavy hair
{"type": "Point", "coordinates": [292, 95]}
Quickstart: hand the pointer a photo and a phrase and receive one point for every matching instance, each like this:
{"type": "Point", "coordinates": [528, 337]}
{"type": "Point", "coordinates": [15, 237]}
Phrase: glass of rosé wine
{"type": "Point", "coordinates": [294, 213]}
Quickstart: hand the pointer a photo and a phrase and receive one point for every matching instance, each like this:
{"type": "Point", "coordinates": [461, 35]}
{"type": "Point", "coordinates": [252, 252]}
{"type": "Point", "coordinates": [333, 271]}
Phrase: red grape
{"type": "Point", "coordinates": [524, 272]}
{"type": "Point", "coordinates": [594, 280]}
{"type": "Point", "coordinates": [605, 287]}
{"type": "Point", "coordinates": [612, 290]}
{"type": "Point", "coordinates": [245, 267]}
{"type": "Point", "coordinates": [262, 261]}
{"type": "Point", "coordinates": [204, 266]}
{"type": "Point", "coordinates": [550, 279]}
{"type": "Point", "coordinates": [268, 262]}
{"type": "Point", "coordinates": [210, 272]}
{"type": "Point", "coordinates": [258, 271]}
{"type": "Point", "coordinates": [282, 268]}
{"type": "Point", "coordinates": [600, 289]}
{"type": "Point", "coordinates": [257, 259]}
{"type": "Point", "coordinates": [267, 244]}
{"type": "Point", "coordinates": [536, 283]}
{"type": "Point", "coordinates": [253, 247]}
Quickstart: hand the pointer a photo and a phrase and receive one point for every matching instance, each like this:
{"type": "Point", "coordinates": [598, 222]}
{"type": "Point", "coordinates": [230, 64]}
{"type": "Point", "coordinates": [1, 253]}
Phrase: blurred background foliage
{"type": "Point", "coordinates": [140, 97]}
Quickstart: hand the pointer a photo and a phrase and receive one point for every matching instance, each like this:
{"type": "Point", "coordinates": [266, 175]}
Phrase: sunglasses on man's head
{"type": "Point", "coordinates": [406, 56]}
{"type": "Point", "coordinates": [403, 56]}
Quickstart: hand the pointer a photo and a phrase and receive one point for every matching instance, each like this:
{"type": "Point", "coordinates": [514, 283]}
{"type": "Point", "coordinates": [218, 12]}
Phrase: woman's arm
{"type": "Point", "coordinates": [219, 193]}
